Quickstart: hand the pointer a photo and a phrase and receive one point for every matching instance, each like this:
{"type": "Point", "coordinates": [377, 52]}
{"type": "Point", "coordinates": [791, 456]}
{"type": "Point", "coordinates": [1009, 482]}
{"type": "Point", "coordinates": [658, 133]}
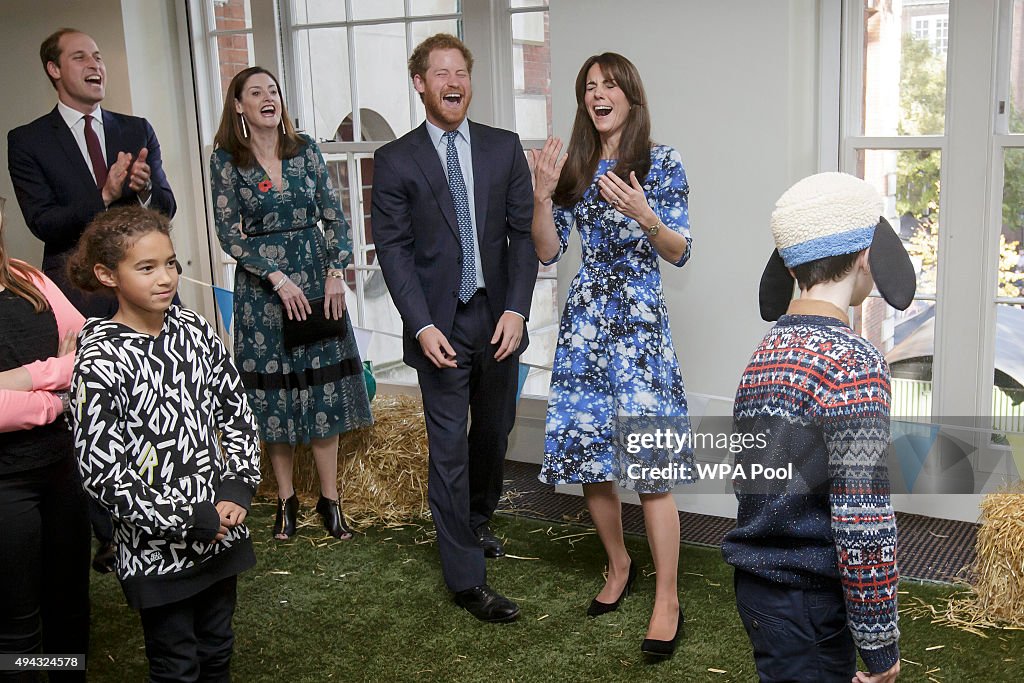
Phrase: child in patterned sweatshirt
{"type": "Point", "coordinates": [815, 556]}
{"type": "Point", "coordinates": [167, 443]}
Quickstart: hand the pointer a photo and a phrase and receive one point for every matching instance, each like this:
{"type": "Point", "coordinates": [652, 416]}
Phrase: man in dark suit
{"type": "Point", "coordinates": [452, 206]}
{"type": "Point", "coordinates": [70, 165]}
{"type": "Point", "coordinates": [78, 160]}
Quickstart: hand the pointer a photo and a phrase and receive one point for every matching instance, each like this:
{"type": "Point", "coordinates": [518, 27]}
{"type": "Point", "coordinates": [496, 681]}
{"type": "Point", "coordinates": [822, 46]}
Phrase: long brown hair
{"type": "Point", "coordinates": [18, 276]}
{"type": "Point", "coordinates": [229, 134]}
{"type": "Point", "coordinates": [585, 142]}
{"type": "Point", "coordinates": [108, 238]}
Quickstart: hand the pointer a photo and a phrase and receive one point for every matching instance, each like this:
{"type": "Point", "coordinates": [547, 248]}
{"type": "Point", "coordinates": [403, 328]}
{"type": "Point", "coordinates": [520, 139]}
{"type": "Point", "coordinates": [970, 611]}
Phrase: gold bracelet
{"type": "Point", "coordinates": [335, 272]}
{"type": "Point", "coordinates": [654, 229]}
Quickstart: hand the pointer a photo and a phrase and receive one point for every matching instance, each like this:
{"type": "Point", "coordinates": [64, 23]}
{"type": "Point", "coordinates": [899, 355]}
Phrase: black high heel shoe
{"type": "Point", "coordinates": [334, 520]}
{"type": "Point", "coordinates": [284, 523]}
{"type": "Point", "coordinates": [660, 650]}
{"type": "Point", "coordinates": [597, 608]}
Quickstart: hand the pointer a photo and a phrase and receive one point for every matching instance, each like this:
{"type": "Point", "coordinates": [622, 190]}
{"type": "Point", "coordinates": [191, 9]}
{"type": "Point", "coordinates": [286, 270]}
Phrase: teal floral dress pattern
{"type": "Point", "coordinates": [614, 362]}
{"type": "Point", "coordinates": [313, 391]}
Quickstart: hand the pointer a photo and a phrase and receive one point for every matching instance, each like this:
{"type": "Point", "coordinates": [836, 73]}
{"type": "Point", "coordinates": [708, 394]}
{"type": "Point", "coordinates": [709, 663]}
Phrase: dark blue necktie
{"type": "Point", "coordinates": [457, 185]}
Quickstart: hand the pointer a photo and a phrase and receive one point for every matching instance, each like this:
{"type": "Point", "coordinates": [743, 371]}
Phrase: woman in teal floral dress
{"type": "Point", "coordinates": [270, 192]}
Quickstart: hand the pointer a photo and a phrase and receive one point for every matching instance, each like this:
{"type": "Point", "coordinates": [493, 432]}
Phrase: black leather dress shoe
{"type": "Point", "coordinates": [489, 542]}
{"type": "Point", "coordinates": [103, 560]}
{"type": "Point", "coordinates": [486, 604]}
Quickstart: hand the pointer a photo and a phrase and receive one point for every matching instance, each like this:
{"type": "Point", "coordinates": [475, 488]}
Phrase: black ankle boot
{"type": "Point", "coordinates": [284, 523]}
{"type": "Point", "coordinates": [334, 520]}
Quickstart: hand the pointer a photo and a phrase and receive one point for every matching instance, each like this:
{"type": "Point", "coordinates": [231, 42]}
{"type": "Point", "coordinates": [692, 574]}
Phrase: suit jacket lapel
{"type": "Point", "coordinates": [481, 175]}
{"type": "Point", "coordinates": [74, 153]}
{"type": "Point", "coordinates": [112, 139]}
{"type": "Point", "coordinates": [429, 163]}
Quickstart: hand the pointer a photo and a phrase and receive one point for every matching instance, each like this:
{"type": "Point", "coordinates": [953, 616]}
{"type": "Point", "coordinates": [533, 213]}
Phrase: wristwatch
{"type": "Point", "coordinates": [653, 229]}
{"type": "Point", "coordinates": [65, 400]}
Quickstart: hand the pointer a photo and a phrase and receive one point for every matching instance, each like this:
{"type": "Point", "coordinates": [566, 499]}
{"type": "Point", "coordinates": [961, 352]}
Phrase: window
{"type": "Point", "coordinates": [231, 41]}
{"type": "Point", "coordinates": [531, 81]}
{"type": "Point", "coordinates": [896, 148]}
{"type": "Point", "coordinates": [954, 190]}
{"type": "Point", "coordinates": [342, 64]}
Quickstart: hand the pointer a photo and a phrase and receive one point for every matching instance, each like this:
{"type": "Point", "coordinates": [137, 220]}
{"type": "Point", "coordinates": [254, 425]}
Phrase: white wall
{"type": "Point", "coordinates": [146, 76]}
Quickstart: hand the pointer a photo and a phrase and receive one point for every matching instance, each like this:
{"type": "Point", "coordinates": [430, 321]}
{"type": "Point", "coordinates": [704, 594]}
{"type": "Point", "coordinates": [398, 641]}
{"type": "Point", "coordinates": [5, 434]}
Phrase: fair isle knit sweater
{"type": "Point", "coordinates": [821, 393]}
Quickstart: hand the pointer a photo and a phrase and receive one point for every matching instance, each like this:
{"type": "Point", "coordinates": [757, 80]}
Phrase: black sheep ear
{"type": "Point", "coordinates": [177, 266]}
{"type": "Point", "coordinates": [891, 267]}
{"type": "Point", "coordinates": [776, 289]}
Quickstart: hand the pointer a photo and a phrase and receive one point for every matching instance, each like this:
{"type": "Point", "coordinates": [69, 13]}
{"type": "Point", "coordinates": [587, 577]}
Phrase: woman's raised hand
{"type": "Point", "coordinates": [547, 166]}
{"type": "Point", "coordinates": [628, 199]}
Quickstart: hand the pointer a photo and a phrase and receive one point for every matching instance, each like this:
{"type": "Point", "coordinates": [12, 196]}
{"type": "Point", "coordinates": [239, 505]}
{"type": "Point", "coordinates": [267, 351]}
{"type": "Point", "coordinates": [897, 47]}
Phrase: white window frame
{"type": "Point", "coordinates": [971, 180]}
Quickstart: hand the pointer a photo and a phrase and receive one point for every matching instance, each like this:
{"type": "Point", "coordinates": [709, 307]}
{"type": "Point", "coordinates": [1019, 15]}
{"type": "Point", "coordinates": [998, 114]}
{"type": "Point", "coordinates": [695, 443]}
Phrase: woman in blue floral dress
{"type": "Point", "coordinates": [615, 360]}
{"type": "Point", "coordinates": [270, 190]}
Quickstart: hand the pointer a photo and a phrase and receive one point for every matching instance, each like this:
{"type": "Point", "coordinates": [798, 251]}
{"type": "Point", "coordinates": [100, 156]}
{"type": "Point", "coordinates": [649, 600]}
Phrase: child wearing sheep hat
{"type": "Point", "coordinates": [815, 557]}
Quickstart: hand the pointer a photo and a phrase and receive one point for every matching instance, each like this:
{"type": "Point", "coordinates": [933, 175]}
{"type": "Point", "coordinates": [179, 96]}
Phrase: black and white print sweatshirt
{"type": "Point", "coordinates": [163, 432]}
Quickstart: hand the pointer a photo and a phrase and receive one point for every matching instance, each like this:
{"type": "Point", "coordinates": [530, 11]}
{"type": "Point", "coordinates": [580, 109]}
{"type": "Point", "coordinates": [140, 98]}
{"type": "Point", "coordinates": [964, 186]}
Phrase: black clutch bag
{"type": "Point", "coordinates": [316, 327]}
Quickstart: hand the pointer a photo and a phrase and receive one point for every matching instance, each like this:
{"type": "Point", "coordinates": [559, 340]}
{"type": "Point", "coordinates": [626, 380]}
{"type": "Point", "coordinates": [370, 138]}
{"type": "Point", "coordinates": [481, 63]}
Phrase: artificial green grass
{"type": "Point", "coordinates": [375, 609]}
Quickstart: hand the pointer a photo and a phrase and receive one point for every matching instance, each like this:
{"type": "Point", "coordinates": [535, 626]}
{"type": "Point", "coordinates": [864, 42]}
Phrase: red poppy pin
{"type": "Point", "coordinates": [265, 185]}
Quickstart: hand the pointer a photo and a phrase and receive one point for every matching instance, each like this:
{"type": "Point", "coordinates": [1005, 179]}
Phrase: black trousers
{"type": "Point", "coordinates": [467, 460]}
{"type": "Point", "coordinates": [797, 635]}
{"type": "Point", "coordinates": [191, 640]}
{"type": "Point", "coordinates": [44, 565]}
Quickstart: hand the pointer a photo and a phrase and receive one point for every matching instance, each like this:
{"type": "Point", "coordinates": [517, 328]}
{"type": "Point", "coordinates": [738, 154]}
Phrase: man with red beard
{"type": "Point", "coordinates": [452, 207]}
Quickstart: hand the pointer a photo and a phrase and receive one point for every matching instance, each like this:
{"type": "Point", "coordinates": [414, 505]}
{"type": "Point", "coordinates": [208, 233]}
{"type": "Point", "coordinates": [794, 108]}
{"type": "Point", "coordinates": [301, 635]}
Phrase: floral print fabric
{"type": "Point", "coordinates": [615, 359]}
{"type": "Point", "coordinates": [313, 391]}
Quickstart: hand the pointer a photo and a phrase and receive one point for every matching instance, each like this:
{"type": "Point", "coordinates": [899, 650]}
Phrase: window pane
{"type": "Point", "coordinates": [1011, 239]}
{"type": "Point", "coordinates": [313, 11]}
{"type": "Point", "coordinates": [544, 316]}
{"type": "Point", "coordinates": [377, 9]}
{"type": "Point", "coordinates": [1016, 104]}
{"type": "Point", "coordinates": [531, 65]}
{"type": "Point", "coordinates": [325, 99]}
{"type": "Point", "coordinates": [231, 15]}
{"type": "Point", "coordinates": [905, 68]}
{"type": "Point", "coordinates": [383, 81]}
{"type": "Point", "coordinates": [1008, 384]}
{"type": "Point", "coordinates": [418, 8]}
{"type": "Point", "coordinates": [908, 181]}
{"type": "Point", "coordinates": [421, 30]}
{"type": "Point", "coordinates": [234, 53]}
{"type": "Point", "coordinates": [528, 3]}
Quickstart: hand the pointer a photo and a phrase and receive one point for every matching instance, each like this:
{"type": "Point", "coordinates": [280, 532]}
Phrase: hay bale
{"type": "Point", "coordinates": [997, 575]}
{"type": "Point", "coordinates": [382, 470]}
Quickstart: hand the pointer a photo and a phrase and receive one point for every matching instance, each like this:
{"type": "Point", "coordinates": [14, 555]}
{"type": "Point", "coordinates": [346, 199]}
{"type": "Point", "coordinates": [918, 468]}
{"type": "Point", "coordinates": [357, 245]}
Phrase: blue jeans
{"type": "Point", "coordinates": [797, 634]}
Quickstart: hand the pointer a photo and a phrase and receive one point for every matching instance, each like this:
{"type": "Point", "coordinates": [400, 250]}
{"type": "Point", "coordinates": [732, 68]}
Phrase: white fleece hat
{"type": "Point", "coordinates": [828, 214]}
{"type": "Point", "coordinates": [832, 214]}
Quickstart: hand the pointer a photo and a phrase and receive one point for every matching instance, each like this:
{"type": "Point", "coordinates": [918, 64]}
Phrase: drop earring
{"type": "Point", "coordinates": [284, 131]}
{"type": "Point", "coordinates": [245, 131]}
